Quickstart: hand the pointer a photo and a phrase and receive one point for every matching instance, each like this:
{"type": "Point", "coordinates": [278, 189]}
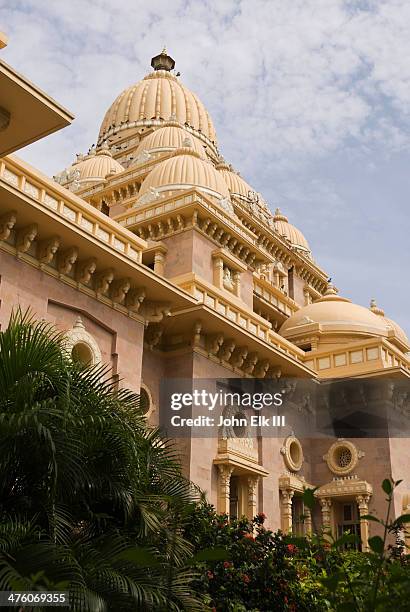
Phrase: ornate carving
{"type": "Point", "coordinates": [135, 298]}
{"type": "Point", "coordinates": [196, 340]}
{"type": "Point", "coordinates": [214, 343]}
{"type": "Point", "coordinates": [7, 223]}
{"type": "Point", "coordinates": [85, 270]}
{"type": "Point", "coordinates": [153, 335]}
{"type": "Point", "coordinates": [67, 259]}
{"type": "Point", "coordinates": [25, 237]}
{"type": "Point", "coordinates": [150, 196]}
{"type": "Point", "coordinates": [261, 368]}
{"type": "Point", "coordinates": [119, 290]}
{"type": "Point", "coordinates": [292, 453]}
{"type": "Point", "coordinates": [342, 457]}
{"type": "Point", "coordinates": [47, 249]}
{"type": "Point", "coordinates": [226, 350]}
{"type": "Point", "coordinates": [103, 281]}
{"type": "Point", "coordinates": [154, 312]}
{"type": "Point", "coordinates": [4, 119]}
{"type": "Point", "coordinates": [238, 356]}
{"type": "Point", "coordinates": [250, 363]}
{"type": "Point", "coordinates": [79, 335]}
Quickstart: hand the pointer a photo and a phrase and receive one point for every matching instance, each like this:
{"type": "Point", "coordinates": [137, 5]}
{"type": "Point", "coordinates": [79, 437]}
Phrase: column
{"type": "Point", "coordinates": [159, 260]}
{"type": "Point", "coordinates": [218, 272]}
{"type": "Point", "coordinates": [252, 483]}
{"type": "Point", "coordinates": [237, 283]}
{"type": "Point", "coordinates": [326, 504]}
{"type": "Point", "coordinates": [363, 505]}
{"type": "Point", "coordinates": [308, 521]}
{"type": "Point", "coordinates": [224, 487]}
{"type": "Point", "coordinates": [286, 510]}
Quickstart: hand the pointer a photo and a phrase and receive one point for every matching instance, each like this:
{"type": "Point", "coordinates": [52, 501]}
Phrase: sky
{"type": "Point", "coordinates": [310, 100]}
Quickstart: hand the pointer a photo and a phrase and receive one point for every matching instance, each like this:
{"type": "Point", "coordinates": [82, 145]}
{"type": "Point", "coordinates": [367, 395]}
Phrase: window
{"type": "Point", "coordinates": [81, 353]}
{"type": "Point", "coordinates": [145, 401]}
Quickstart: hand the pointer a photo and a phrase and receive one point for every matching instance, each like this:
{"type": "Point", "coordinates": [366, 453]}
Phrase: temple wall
{"type": "Point", "coordinates": [119, 338]}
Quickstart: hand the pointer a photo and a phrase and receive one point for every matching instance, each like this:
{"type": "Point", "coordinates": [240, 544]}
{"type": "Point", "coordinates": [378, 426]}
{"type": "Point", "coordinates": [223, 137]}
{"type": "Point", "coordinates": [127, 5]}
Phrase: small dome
{"type": "Point", "coordinates": [290, 232]}
{"type": "Point", "coordinates": [399, 332]}
{"type": "Point", "coordinates": [236, 184]}
{"type": "Point", "coordinates": [96, 166]}
{"type": "Point", "coordinates": [184, 170]}
{"type": "Point", "coordinates": [159, 96]}
{"type": "Point", "coordinates": [335, 314]}
{"type": "Point", "coordinates": [169, 138]}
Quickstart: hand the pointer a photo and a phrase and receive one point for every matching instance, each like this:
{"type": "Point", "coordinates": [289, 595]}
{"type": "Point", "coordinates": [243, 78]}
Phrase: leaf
{"type": "Point", "coordinates": [387, 486]}
{"type": "Point", "coordinates": [309, 498]}
{"type": "Point", "coordinates": [331, 582]}
{"type": "Point", "coordinates": [404, 518]}
{"type": "Point", "coordinates": [211, 554]}
{"type": "Point", "coordinates": [376, 544]}
{"type": "Point", "coordinates": [347, 538]}
{"type": "Point", "coordinates": [370, 517]}
{"type": "Point", "coordinates": [138, 556]}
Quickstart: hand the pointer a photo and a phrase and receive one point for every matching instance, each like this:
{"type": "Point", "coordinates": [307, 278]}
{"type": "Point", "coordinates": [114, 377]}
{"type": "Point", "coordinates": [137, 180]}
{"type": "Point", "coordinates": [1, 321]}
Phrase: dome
{"type": "Point", "coordinates": [289, 231]}
{"type": "Point", "coordinates": [399, 332]}
{"type": "Point", "coordinates": [169, 138]}
{"type": "Point", "coordinates": [236, 184]}
{"type": "Point", "coordinates": [335, 314]}
{"type": "Point", "coordinates": [96, 167]}
{"type": "Point", "coordinates": [184, 170]}
{"type": "Point", "coordinates": [159, 96]}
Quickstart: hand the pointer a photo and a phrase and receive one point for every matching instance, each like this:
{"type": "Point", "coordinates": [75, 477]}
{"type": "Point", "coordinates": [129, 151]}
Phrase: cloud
{"type": "Point", "coordinates": [304, 94]}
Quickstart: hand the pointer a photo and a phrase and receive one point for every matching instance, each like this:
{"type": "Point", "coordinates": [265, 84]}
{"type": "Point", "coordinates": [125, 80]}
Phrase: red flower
{"type": "Point", "coordinates": [262, 516]}
{"type": "Point", "coordinates": [292, 549]}
{"type": "Point", "coordinates": [248, 536]}
{"type": "Point", "coordinates": [246, 578]}
{"type": "Point", "coordinates": [210, 575]}
{"type": "Point", "coordinates": [227, 564]}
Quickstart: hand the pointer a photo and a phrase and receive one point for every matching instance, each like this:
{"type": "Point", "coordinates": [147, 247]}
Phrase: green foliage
{"type": "Point", "coordinates": [257, 571]}
{"type": "Point", "coordinates": [91, 500]}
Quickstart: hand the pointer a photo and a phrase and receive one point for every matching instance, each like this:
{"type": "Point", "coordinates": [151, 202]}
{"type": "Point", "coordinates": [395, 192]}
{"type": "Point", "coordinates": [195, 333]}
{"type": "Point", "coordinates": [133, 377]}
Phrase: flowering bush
{"type": "Point", "coordinates": [258, 573]}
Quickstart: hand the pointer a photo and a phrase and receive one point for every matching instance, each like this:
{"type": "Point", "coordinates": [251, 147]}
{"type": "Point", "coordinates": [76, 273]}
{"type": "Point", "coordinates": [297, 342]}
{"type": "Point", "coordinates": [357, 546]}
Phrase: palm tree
{"type": "Point", "coordinates": [91, 499]}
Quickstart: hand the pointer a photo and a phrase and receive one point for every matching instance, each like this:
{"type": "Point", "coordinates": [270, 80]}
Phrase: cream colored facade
{"type": "Point", "coordinates": [157, 257]}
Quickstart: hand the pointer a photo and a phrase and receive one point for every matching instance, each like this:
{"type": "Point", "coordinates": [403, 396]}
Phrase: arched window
{"type": "Point", "coordinates": [81, 345]}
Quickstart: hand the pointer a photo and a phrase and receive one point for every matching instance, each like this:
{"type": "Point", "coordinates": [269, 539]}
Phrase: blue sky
{"type": "Point", "coordinates": [310, 99]}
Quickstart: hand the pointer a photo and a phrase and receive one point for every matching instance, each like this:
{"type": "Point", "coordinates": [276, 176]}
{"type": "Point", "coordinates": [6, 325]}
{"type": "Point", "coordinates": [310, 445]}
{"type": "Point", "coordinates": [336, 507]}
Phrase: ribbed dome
{"type": "Point", "coordinates": [159, 96]}
{"type": "Point", "coordinates": [335, 314]}
{"type": "Point", "coordinates": [96, 167]}
{"type": "Point", "coordinates": [289, 231]}
{"type": "Point", "coordinates": [183, 171]}
{"type": "Point", "coordinates": [236, 184]}
{"type": "Point", "coordinates": [169, 138]}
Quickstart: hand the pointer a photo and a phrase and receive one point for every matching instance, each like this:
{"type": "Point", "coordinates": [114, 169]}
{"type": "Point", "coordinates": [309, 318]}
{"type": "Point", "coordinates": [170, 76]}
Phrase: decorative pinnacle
{"type": "Point", "coordinates": [163, 61]}
{"type": "Point", "coordinates": [279, 216]}
{"type": "Point", "coordinates": [374, 308]}
{"type": "Point", "coordinates": [331, 289]}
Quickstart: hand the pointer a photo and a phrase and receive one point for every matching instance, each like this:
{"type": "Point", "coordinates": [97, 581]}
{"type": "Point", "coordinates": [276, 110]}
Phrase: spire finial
{"type": "Point", "coordinates": [331, 289]}
{"type": "Point", "coordinates": [163, 61]}
{"type": "Point", "coordinates": [279, 216]}
{"type": "Point", "coordinates": [374, 308]}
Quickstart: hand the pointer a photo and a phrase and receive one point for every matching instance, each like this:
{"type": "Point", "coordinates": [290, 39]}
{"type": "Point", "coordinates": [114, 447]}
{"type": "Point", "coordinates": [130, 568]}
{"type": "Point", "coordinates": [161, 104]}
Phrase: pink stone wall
{"type": "Point", "coordinates": [120, 338]}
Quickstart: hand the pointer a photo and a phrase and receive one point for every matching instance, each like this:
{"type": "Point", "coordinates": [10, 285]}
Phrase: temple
{"type": "Point", "coordinates": [154, 255]}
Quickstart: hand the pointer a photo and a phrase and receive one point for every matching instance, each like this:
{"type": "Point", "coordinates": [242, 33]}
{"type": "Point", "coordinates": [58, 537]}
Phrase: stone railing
{"type": "Point", "coordinates": [364, 355]}
{"type": "Point", "coordinates": [274, 296]}
{"type": "Point", "coordinates": [210, 297]}
{"type": "Point", "coordinates": [165, 206]}
{"type": "Point", "coordinates": [252, 322]}
{"type": "Point", "coordinates": [64, 205]}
